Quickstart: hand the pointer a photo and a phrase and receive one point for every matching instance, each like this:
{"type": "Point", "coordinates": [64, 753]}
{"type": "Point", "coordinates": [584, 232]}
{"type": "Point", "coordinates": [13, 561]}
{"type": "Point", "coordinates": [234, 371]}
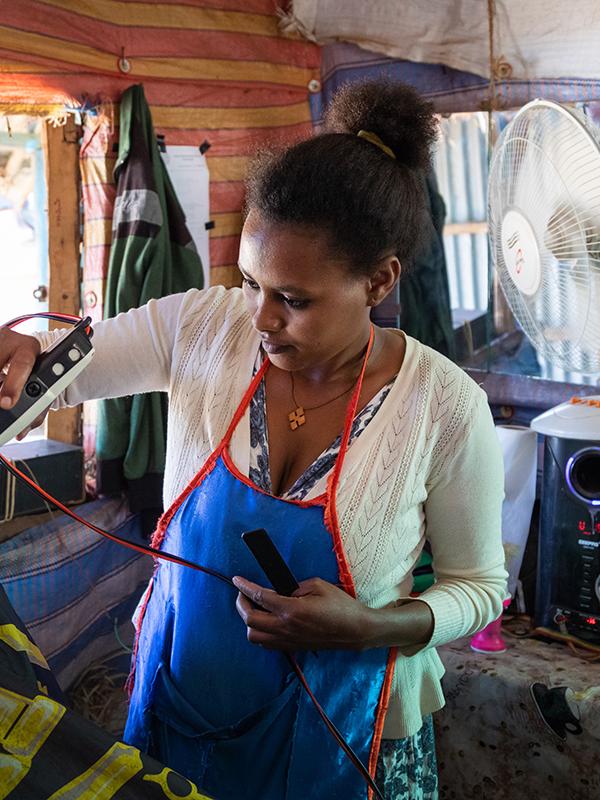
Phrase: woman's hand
{"type": "Point", "coordinates": [17, 357]}
{"type": "Point", "coordinates": [318, 616]}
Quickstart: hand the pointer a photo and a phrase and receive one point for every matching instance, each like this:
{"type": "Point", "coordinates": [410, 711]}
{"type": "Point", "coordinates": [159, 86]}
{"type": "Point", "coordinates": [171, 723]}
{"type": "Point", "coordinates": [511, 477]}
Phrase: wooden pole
{"type": "Point", "coordinates": [61, 150]}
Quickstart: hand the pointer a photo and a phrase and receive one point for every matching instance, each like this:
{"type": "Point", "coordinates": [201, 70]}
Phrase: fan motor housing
{"type": "Point", "coordinates": [568, 575]}
{"type": "Point", "coordinates": [521, 252]}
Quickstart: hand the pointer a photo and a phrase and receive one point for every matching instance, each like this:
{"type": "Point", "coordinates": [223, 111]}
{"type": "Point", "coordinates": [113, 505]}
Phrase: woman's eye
{"type": "Point", "coordinates": [289, 301]}
{"type": "Point", "coordinates": [295, 303]}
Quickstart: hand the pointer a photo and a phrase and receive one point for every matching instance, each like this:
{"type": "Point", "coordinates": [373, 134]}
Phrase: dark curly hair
{"type": "Point", "coordinates": [369, 204]}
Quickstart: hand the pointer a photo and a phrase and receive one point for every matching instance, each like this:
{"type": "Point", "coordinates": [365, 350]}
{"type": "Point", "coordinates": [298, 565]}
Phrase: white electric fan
{"type": "Point", "coordinates": [544, 224]}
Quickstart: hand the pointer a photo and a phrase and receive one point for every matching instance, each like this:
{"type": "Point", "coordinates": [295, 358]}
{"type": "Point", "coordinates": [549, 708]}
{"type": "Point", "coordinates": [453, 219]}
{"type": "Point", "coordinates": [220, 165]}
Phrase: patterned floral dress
{"type": "Point", "coordinates": [406, 769]}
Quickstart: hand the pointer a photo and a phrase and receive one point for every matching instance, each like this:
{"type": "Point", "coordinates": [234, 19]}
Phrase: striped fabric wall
{"type": "Point", "coordinates": [212, 69]}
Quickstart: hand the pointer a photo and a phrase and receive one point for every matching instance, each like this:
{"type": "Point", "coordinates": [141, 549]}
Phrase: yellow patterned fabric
{"type": "Point", "coordinates": [49, 751]}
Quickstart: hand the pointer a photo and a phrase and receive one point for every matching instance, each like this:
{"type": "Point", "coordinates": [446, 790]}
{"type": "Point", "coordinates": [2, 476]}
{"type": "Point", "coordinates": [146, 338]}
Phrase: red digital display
{"type": "Point", "coordinates": [581, 525]}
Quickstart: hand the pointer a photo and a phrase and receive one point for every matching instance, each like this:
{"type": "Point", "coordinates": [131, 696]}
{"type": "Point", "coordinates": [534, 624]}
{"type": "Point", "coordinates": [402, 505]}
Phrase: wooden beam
{"type": "Point", "coordinates": [61, 150]}
{"type": "Point", "coordinates": [458, 228]}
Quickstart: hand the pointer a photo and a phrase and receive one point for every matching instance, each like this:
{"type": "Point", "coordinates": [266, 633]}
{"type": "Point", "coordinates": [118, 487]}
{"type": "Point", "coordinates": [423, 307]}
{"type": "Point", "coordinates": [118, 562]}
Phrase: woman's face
{"type": "Point", "coordinates": [309, 310]}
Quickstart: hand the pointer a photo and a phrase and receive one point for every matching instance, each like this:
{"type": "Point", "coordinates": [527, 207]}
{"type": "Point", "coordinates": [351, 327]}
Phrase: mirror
{"type": "Point", "coordinates": [488, 335]}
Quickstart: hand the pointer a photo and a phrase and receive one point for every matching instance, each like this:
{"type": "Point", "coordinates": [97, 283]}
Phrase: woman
{"type": "Point", "coordinates": [350, 444]}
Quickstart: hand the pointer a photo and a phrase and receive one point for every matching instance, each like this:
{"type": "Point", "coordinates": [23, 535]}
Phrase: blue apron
{"type": "Point", "coordinates": [227, 714]}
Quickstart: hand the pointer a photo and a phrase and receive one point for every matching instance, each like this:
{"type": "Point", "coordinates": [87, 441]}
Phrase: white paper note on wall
{"type": "Point", "coordinates": [189, 174]}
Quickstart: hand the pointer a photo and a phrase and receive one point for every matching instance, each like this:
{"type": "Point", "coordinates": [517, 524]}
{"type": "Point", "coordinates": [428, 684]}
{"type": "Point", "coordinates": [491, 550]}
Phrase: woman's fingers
{"type": "Point", "coordinates": [256, 618]}
{"type": "Point", "coordinates": [16, 376]}
{"type": "Point", "coordinates": [259, 595]}
{"type": "Point", "coordinates": [17, 357]}
{"type": "Point", "coordinates": [266, 614]}
{"type": "Point", "coordinates": [264, 628]}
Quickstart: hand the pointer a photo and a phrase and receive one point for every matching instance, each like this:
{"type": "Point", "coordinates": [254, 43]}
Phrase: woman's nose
{"type": "Point", "coordinates": [266, 318]}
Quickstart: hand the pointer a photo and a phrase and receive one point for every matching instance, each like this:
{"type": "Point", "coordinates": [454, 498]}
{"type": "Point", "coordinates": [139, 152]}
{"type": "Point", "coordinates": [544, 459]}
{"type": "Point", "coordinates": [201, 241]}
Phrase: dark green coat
{"type": "Point", "coordinates": [152, 255]}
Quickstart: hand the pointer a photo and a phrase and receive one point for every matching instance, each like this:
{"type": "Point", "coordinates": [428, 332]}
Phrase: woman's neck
{"type": "Point", "coordinates": [343, 367]}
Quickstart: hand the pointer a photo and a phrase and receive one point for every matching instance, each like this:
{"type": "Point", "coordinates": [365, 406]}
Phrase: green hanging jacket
{"type": "Point", "coordinates": [152, 255]}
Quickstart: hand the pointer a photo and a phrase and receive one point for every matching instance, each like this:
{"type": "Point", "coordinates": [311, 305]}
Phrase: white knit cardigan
{"type": "Point", "coordinates": [428, 465]}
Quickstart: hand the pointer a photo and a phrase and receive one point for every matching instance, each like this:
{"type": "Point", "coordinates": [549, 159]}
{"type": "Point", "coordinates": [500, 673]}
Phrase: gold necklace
{"type": "Point", "coordinates": [297, 417]}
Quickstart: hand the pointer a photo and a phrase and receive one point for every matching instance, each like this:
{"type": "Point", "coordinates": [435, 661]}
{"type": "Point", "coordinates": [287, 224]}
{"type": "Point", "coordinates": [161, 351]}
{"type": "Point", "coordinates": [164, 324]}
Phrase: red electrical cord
{"type": "Point", "coordinates": [147, 550]}
{"type": "Point", "coordinates": [46, 315]}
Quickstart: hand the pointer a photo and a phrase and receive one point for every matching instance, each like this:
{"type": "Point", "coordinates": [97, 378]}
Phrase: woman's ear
{"type": "Point", "coordinates": [383, 280]}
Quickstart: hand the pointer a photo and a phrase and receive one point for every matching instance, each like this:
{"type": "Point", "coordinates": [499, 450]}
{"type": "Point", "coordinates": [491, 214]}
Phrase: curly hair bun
{"type": "Point", "coordinates": [402, 119]}
{"type": "Point", "coordinates": [347, 187]}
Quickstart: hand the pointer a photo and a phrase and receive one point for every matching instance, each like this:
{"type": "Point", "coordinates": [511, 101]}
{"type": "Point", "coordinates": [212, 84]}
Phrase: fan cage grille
{"type": "Point", "coordinates": [546, 166]}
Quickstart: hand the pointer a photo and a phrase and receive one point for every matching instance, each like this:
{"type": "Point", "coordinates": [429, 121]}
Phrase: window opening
{"type": "Point", "coordinates": [23, 221]}
{"type": "Point", "coordinates": [23, 225]}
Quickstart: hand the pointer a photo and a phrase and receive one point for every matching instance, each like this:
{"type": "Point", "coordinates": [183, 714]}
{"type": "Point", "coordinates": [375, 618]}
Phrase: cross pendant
{"type": "Point", "coordinates": [296, 418]}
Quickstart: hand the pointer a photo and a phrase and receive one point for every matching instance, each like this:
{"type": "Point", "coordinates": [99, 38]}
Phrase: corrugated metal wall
{"type": "Point", "coordinates": [462, 173]}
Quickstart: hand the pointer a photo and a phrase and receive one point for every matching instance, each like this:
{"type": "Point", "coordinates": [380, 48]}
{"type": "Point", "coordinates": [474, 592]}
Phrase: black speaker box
{"type": "Point", "coordinates": [55, 466]}
{"type": "Point", "coordinates": [568, 579]}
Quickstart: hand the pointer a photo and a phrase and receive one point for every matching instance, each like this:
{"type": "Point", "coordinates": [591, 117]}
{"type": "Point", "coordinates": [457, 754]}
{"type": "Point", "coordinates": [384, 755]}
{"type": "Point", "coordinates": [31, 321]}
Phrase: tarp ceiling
{"type": "Point", "coordinates": [532, 39]}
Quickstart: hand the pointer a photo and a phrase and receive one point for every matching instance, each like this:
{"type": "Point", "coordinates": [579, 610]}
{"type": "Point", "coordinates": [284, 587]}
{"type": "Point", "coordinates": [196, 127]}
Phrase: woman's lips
{"type": "Point", "coordinates": [273, 348]}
